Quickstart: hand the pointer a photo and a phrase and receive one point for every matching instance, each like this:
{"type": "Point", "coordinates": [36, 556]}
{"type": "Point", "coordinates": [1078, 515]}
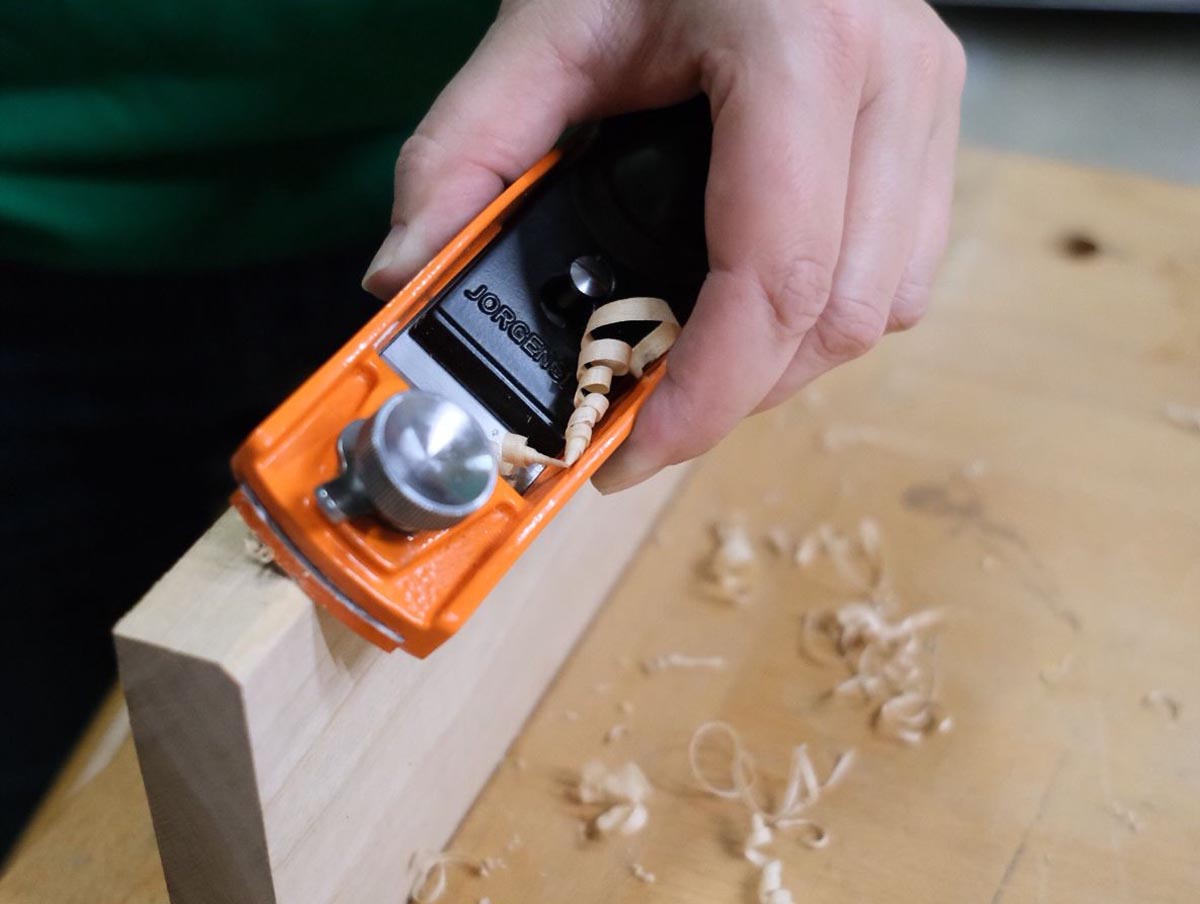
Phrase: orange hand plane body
{"type": "Point", "coordinates": [376, 484]}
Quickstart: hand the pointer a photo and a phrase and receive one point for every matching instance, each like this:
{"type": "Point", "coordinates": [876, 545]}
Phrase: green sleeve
{"type": "Point", "coordinates": [153, 135]}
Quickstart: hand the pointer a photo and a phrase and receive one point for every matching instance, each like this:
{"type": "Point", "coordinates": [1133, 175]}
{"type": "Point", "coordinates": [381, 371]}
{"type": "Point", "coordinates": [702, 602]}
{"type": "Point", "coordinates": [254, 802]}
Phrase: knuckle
{"type": "Point", "coordinates": [419, 154]}
{"type": "Point", "coordinates": [955, 61]}
{"type": "Point", "coordinates": [925, 56]}
{"type": "Point", "coordinates": [722, 70]}
{"type": "Point", "coordinates": [798, 296]}
{"type": "Point", "coordinates": [850, 328]}
{"type": "Point", "coordinates": [845, 31]}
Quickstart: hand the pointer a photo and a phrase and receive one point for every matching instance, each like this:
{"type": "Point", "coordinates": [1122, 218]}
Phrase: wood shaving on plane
{"type": "Point", "coordinates": [600, 360]}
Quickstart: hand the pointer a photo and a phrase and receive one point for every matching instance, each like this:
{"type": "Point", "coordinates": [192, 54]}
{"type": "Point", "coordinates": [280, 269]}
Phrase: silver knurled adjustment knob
{"type": "Point", "coordinates": [419, 463]}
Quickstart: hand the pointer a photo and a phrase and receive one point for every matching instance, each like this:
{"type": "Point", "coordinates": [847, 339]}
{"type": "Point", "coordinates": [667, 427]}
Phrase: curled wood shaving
{"type": "Point", "coordinates": [802, 790]}
{"type": "Point", "coordinates": [909, 717]}
{"type": "Point", "coordinates": [602, 359]}
{"type": "Point", "coordinates": [616, 732]}
{"type": "Point", "coordinates": [889, 665]}
{"type": "Point", "coordinates": [1127, 816]}
{"type": "Point", "coordinates": [429, 868]}
{"type": "Point", "coordinates": [665, 661]}
{"type": "Point", "coordinates": [1053, 674]}
{"type": "Point", "coordinates": [488, 865]}
{"type": "Point", "coordinates": [770, 885]}
{"type": "Point", "coordinates": [1184, 416]}
{"type": "Point", "coordinates": [888, 660]}
{"type": "Point", "coordinates": [729, 567]}
{"type": "Point", "coordinates": [516, 453]}
{"type": "Point", "coordinates": [599, 361]}
{"type": "Point", "coordinates": [807, 551]}
{"type": "Point", "coordinates": [622, 792]}
{"type": "Point", "coordinates": [858, 559]}
{"type": "Point", "coordinates": [642, 874]}
{"type": "Point", "coordinates": [1164, 702]}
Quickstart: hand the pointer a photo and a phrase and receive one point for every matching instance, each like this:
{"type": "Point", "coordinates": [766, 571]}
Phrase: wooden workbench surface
{"type": "Point", "coordinates": [1015, 453]}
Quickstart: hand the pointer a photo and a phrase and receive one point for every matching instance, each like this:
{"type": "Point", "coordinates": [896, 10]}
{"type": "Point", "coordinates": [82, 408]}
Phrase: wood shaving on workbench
{"type": "Point", "coordinates": [616, 732]}
{"type": "Point", "coordinates": [642, 874]}
{"type": "Point", "coordinates": [729, 569]}
{"type": "Point", "coordinates": [857, 558]}
{"type": "Point", "coordinates": [802, 790]}
{"type": "Point", "coordinates": [1164, 703]}
{"type": "Point", "coordinates": [664, 661]}
{"type": "Point", "coordinates": [888, 657]}
{"type": "Point", "coordinates": [429, 868]}
{"type": "Point", "coordinates": [1184, 416]}
{"type": "Point", "coordinates": [623, 794]}
{"type": "Point", "coordinates": [1053, 674]}
{"type": "Point", "coordinates": [1127, 816]}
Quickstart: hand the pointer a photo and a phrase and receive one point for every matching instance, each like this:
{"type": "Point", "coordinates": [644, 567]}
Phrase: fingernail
{"type": "Point", "coordinates": [383, 261]}
{"type": "Point", "coordinates": [625, 469]}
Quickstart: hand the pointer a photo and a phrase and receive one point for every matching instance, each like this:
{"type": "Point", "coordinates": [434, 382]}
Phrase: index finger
{"type": "Point", "coordinates": [773, 215]}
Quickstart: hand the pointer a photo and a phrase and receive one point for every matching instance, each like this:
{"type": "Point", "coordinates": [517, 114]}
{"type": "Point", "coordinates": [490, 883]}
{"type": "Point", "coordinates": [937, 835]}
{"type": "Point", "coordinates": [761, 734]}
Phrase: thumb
{"type": "Point", "coordinates": [503, 110]}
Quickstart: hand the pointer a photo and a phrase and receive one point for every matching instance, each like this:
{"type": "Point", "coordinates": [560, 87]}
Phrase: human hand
{"type": "Point", "coordinates": [835, 126]}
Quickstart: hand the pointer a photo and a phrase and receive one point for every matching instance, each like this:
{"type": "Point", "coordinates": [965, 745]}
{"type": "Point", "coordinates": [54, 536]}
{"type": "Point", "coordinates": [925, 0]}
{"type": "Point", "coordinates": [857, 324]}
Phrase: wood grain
{"type": "Point", "coordinates": [1079, 543]}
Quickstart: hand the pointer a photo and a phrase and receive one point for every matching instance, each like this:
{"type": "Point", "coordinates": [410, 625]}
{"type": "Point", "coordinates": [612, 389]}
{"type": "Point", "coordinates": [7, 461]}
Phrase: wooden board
{"type": "Point", "coordinates": [287, 760]}
{"type": "Point", "coordinates": [1052, 367]}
